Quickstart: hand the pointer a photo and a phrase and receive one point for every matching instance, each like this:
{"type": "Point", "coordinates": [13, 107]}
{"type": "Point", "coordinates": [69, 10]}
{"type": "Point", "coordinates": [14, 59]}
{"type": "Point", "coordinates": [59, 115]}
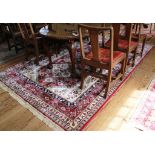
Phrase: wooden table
{"type": "Point", "coordinates": [60, 36]}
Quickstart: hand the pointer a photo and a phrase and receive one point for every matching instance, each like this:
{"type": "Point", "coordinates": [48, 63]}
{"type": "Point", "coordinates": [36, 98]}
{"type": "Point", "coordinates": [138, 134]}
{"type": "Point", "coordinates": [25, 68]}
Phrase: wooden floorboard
{"type": "Point", "coordinates": [115, 116]}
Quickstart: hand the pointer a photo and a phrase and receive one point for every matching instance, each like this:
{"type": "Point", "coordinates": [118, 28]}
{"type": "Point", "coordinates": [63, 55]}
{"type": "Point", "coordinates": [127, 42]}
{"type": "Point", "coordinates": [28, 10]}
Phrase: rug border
{"type": "Point", "coordinates": [116, 90]}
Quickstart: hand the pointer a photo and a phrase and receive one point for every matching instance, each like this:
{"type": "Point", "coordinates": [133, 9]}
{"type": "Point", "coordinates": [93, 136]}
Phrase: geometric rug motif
{"type": "Point", "coordinates": [54, 96]}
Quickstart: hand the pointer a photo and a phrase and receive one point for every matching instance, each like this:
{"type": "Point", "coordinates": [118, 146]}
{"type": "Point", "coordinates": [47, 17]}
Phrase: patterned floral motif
{"type": "Point", "coordinates": [145, 113]}
{"type": "Point", "coordinates": [57, 95]}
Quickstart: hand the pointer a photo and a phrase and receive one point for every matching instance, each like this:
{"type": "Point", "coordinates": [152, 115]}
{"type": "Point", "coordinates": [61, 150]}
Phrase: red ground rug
{"type": "Point", "coordinates": [144, 117]}
{"type": "Point", "coordinates": [54, 96]}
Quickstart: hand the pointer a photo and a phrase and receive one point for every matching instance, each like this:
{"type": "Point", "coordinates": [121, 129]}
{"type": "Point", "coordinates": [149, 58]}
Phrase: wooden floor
{"type": "Point", "coordinates": [115, 116]}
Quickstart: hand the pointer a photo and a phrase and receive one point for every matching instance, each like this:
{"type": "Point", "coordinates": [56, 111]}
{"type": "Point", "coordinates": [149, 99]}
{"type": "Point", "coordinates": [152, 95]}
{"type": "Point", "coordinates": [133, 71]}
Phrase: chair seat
{"type": "Point", "coordinates": [135, 36]}
{"type": "Point", "coordinates": [105, 55]}
{"type": "Point", "coordinates": [123, 44]}
{"type": "Point", "coordinates": [148, 36]}
{"type": "Point", "coordinates": [143, 36]}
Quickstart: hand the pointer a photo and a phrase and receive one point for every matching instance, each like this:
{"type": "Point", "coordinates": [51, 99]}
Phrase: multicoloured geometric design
{"type": "Point", "coordinates": [55, 95]}
{"type": "Point", "coordinates": [144, 117]}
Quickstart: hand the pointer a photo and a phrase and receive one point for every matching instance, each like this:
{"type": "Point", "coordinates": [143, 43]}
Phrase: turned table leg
{"type": "Point", "coordinates": [72, 53]}
{"type": "Point", "coordinates": [47, 51]}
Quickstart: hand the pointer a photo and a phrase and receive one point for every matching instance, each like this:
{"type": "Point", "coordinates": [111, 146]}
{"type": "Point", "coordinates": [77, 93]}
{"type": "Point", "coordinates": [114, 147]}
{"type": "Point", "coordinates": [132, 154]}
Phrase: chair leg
{"type": "Point", "coordinates": [103, 39]}
{"type": "Point", "coordinates": [8, 42]}
{"type": "Point", "coordinates": [16, 48]}
{"type": "Point", "coordinates": [143, 45]}
{"type": "Point", "coordinates": [36, 52]}
{"type": "Point", "coordinates": [26, 52]}
{"type": "Point", "coordinates": [72, 53]}
{"type": "Point", "coordinates": [122, 69]}
{"type": "Point", "coordinates": [47, 52]}
{"type": "Point", "coordinates": [25, 45]}
{"type": "Point", "coordinates": [126, 61]}
{"type": "Point", "coordinates": [82, 76]}
{"type": "Point", "coordinates": [93, 69]}
{"type": "Point", "coordinates": [134, 57]}
{"type": "Point", "coordinates": [108, 83]}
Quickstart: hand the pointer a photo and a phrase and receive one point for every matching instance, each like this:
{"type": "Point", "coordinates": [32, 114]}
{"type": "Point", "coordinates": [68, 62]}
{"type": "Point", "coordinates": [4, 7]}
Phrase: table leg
{"type": "Point", "coordinates": [72, 52]}
{"type": "Point", "coordinates": [36, 52]}
{"type": "Point", "coordinates": [47, 51]}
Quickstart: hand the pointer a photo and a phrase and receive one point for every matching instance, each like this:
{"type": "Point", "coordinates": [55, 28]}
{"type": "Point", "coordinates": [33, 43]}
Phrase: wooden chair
{"type": "Point", "coordinates": [30, 38]}
{"type": "Point", "coordinates": [125, 43]}
{"type": "Point", "coordinates": [13, 36]}
{"type": "Point", "coordinates": [148, 26]}
{"type": "Point", "coordinates": [100, 58]}
{"type": "Point", "coordinates": [136, 31]}
{"type": "Point", "coordinates": [139, 35]}
{"type": "Point", "coordinates": [2, 33]}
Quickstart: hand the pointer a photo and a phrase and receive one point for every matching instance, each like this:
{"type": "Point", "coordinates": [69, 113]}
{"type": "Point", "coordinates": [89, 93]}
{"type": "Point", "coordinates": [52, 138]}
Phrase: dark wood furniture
{"type": "Point", "coordinates": [136, 35]}
{"type": "Point", "coordinates": [139, 34]}
{"type": "Point", "coordinates": [13, 36]}
{"type": "Point", "coordinates": [2, 32]}
{"type": "Point", "coordinates": [125, 42]}
{"type": "Point", "coordinates": [100, 58]}
{"type": "Point", "coordinates": [60, 37]}
{"type": "Point", "coordinates": [30, 38]}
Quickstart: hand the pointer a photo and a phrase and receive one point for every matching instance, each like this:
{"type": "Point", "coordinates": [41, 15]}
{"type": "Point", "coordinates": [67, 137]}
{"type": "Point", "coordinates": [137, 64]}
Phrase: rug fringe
{"type": "Point", "coordinates": [35, 112]}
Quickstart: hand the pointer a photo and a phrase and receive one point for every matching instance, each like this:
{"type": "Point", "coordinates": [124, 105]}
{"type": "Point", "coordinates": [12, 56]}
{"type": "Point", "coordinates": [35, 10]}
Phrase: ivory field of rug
{"type": "Point", "coordinates": [144, 117]}
{"type": "Point", "coordinates": [54, 96]}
